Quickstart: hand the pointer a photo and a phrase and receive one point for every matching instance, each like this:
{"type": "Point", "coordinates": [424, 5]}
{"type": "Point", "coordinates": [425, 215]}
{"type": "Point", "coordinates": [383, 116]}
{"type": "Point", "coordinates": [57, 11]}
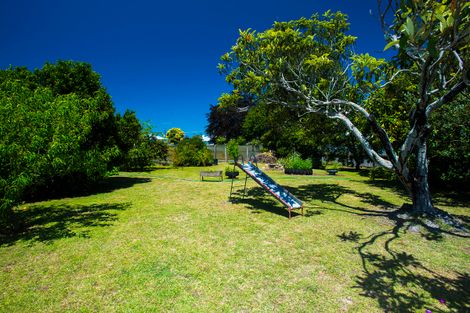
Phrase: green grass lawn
{"type": "Point", "coordinates": [164, 241]}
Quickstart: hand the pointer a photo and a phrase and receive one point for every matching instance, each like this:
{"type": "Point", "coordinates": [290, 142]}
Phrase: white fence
{"type": "Point", "coordinates": [246, 151]}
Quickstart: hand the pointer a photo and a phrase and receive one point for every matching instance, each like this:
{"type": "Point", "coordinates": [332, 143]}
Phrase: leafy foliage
{"type": "Point", "coordinates": [191, 152]}
{"type": "Point", "coordinates": [230, 169]}
{"type": "Point", "coordinates": [449, 145]}
{"type": "Point", "coordinates": [318, 46]}
{"type": "Point", "coordinates": [294, 161]}
{"type": "Point", "coordinates": [66, 77]}
{"type": "Point", "coordinates": [51, 140]}
{"type": "Point", "coordinates": [282, 130]}
{"type": "Point", "coordinates": [129, 130]}
{"type": "Point", "coordinates": [139, 148]}
{"type": "Point", "coordinates": [232, 149]}
{"type": "Point", "coordinates": [146, 151]}
{"type": "Point", "coordinates": [174, 135]}
{"type": "Point", "coordinates": [333, 165]}
{"type": "Point", "coordinates": [303, 65]}
{"type": "Point", "coordinates": [225, 120]}
{"type": "Point", "coordinates": [381, 173]}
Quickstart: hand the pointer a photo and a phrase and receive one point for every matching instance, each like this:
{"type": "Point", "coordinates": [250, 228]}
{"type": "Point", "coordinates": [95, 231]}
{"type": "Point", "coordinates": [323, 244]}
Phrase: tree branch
{"type": "Point", "coordinates": [379, 131]}
{"type": "Point", "coordinates": [448, 97]}
{"type": "Point", "coordinates": [365, 144]}
{"type": "Point", "coordinates": [395, 75]}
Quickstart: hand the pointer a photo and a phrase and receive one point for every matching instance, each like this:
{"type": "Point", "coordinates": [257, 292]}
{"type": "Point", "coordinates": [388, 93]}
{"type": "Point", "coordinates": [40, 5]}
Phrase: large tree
{"type": "Point", "coordinates": [225, 120]}
{"type": "Point", "coordinates": [174, 135]}
{"type": "Point", "coordinates": [52, 140]}
{"type": "Point", "coordinates": [308, 64]}
{"type": "Point", "coordinates": [138, 146]}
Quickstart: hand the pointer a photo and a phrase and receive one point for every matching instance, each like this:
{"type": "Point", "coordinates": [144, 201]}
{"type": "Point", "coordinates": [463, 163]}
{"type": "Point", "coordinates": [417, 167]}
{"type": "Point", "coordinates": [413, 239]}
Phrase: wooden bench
{"type": "Point", "coordinates": [211, 174]}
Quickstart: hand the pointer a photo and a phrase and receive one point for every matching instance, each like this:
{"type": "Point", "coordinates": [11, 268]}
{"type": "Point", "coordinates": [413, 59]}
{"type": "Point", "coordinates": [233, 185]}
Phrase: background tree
{"type": "Point", "coordinates": [304, 65]}
{"type": "Point", "coordinates": [225, 120]}
{"type": "Point", "coordinates": [65, 77]}
{"type": "Point", "coordinates": [59, 134]}
{"type": "Point", "coordinates": [147, 150]}
{"type": "Point", "coordinates": [138, 147]}
{"type": "Point", "coordinates": [450, 129]}
{"type": "Point", "coordinates": [129, 130]}
{"type": "Point", "coordinates": [174, 135]}
{"type": "Point", "coordinates": [191, 152]}
{"type": "Point", "coordinates": [51, 141]}
{"type": "Point", "coordinates": [449, 145]}
{"type": "Point", "coordinates": [281, 130]}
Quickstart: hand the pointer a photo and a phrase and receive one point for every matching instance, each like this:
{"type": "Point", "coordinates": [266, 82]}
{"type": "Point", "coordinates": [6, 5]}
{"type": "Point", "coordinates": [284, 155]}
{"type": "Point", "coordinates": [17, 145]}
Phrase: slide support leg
{"type": "Point", "coordinates": [244, 190]}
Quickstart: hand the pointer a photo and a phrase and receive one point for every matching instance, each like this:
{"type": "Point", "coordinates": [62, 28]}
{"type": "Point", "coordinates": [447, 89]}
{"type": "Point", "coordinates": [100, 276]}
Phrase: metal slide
{"type": "Point", "coordinates": [279, 192]}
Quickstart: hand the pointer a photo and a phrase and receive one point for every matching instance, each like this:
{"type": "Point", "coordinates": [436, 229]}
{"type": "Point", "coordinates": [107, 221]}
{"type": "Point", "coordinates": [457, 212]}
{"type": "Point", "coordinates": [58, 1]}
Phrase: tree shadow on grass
{"type": "Point", "coordinates": [452, 198]}
{"type": "Point", "coordinates": [392, 185]}
{"type": "Point", "coordinates": [399, 282]}
{"type": "Point", "coordinates": [47, 223]}
{"type": "Point", "coordinates": [396, 279]}
{"type": "Point", "coordinates": [106, 185]}
{"type": "Point", "coordinates": [258, 200]}
{"type": "Point", "coordinates": [332, 192]}
{"type": "Point", "coordinates": [112, 183]}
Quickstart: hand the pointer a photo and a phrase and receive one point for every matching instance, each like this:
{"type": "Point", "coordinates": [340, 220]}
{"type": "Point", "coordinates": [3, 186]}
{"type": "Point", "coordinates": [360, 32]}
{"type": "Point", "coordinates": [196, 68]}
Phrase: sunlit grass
{"type": "Point", "coordinates": [164, 241]}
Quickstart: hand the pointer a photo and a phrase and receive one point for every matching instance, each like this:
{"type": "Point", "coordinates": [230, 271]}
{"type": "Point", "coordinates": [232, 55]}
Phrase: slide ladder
{"type": "Point", "coordinates": [279, 192]}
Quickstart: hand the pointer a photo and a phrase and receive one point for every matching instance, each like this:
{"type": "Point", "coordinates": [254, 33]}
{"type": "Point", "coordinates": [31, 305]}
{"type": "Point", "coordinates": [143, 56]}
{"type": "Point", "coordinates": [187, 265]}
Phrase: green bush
{"type": "Point", "coordinates": [232, 149]}
{"type": "Point", "coordinates": [380, 172]}
{"type": "Point", "coordinates": [231, 169]}
{"type": "Point", "coordinates": [294, 161]}
{"type": "Point", "coordinates": [146, 152]}
{"type": "Point", "coordinates": [138, 147]}
{"type": "Point", "coordinates": [191, 152]}
{"type": "Point", "coordinates": [53, 139]}
{"type": "Point", "coordinates": [333, 166]}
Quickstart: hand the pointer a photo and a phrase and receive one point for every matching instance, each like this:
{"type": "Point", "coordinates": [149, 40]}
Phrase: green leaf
{"type": "Point", "coordinates": [442, 26]}
{"type": "Point", "coordinates": [391, 43]}
{"type": "Point", "coordinates": [409, 27]}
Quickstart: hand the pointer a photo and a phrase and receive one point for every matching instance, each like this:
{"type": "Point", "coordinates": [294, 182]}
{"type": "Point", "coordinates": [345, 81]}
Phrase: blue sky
{"type": "Point", "coordinates": [158, 58]}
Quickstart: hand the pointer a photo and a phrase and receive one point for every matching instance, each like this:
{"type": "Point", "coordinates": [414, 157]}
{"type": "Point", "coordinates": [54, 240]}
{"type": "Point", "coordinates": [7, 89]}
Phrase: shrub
{"type": "Point", "coordinates": [232, 149]}
{"type": "Point", "coordinates": [381, 173]}
{"type": "Point", "coordinates": [56, 132]}
{"type": "Point", "coordinates": [333, 166]}
{"type": "Point", "coordinates": [191, 152]}
{"type": "Point", "coordinates": [294, 161]}
{"type": "Point", "coordinates": [231, 169]}
{"type": "Point", "coordinates": [146, 152]}
{"type": "Point", "coordinates": [138, 146]}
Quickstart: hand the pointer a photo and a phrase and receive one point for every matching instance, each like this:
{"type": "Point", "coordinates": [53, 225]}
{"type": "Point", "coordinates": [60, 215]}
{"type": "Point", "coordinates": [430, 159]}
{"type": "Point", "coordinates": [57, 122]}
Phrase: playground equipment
{"type": "Point", "coordinates": [280, 193]}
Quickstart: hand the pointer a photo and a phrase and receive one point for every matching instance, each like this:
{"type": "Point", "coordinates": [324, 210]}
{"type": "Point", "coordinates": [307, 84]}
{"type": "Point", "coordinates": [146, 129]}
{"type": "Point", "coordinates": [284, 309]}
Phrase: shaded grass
{"type": "Point", "coordinates": [173, 243]}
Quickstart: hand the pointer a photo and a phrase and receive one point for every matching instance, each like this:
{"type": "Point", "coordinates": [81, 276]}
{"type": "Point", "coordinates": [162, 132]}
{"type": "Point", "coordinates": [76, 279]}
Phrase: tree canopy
{"type": "Point", "coordinates": [308, 65]}
{"type": "Point", "coordinates": [138, 146]}
{"type": "Point", "coordinates": [59, 134]}
{"type": "Point", "coordinates": [52, 139]}
{"type": "Point", "coordinates": [174, 135]}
